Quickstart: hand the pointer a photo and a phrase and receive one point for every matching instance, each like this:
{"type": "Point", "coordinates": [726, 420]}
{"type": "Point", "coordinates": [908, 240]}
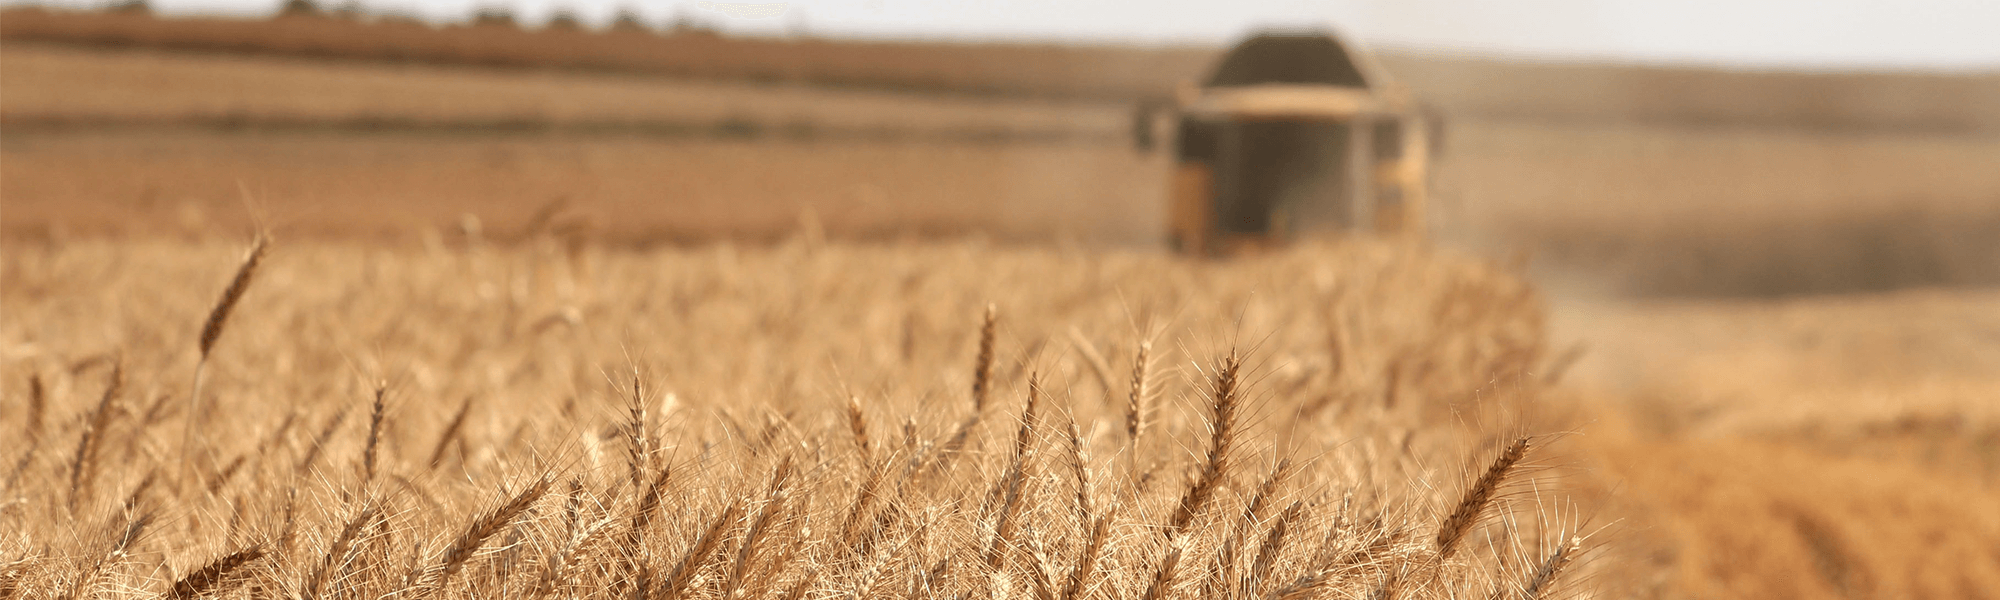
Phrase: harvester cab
{"type": "Point", "coordinates": [1296, 134]}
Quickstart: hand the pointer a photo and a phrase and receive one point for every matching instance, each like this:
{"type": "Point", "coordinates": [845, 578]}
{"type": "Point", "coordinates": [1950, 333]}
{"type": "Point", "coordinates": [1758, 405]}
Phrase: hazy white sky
{"type": "Point", "coordinates": [1920, 34]}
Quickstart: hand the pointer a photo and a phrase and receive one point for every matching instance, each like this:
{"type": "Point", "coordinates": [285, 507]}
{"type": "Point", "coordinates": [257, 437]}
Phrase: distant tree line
{"type": "Point", "coordinates": [488, 15]}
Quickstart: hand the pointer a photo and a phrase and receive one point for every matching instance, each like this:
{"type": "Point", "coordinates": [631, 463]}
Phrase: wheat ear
{"type": "Point", "coordinates": [760, 526]}
{"type": "Point", "coordinates": [37, 406]}
{"type": "Point", "coordinates": [337, 554]}
{"type": "Point", "coordinates": [982, 373]}
{"type": "Point", "coordinates": [638, 445]}
{"type": "Point", "coordinates": [476, 533]}
{"type": "Point", "coordinates": [211, 331]}
{"type": "Point", "coordinates": [642, 518]}
{"type": "Point", "coordinates": [1552, 566]}
{"type": "Point", "coordinates": [1222, 439]}
{"type": "Point", "coordinates": [1163, 577]}
{"type": "Point", "coordinates": [1474, 502]}
{"type": "Point", "coordinates": [83, 469]}
{"type": "Point", "coordinates": [857, 425]}
{"type": "Point", "coordinates": [697, 555]}
{"type": "Point", "coordinates": [450, 432]}
{"type": "Point", "coordinates": [1083, 574]}
{"type": "Point", "coordinates": [1099, 368]}
{"type": "Point", "coordinates": [1008, 490]}
{"type": "Point", "coordinates": [1138, 407]}
{"type": "Point", "coordinates": [120, 549]}
{"type": "Point", "coordinates": [375, 414]}
{"type": "Point", "coordinates": [982, 384]}
{"type": "Point", "coordinates": [213, 578]}
{"type": "Point", "coordinates": [1273, 547]}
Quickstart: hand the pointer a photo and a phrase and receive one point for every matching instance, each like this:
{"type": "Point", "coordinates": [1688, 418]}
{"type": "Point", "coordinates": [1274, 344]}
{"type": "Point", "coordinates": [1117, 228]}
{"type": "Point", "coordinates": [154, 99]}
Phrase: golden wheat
{"type": "Point", "coordinates": [766, 472]}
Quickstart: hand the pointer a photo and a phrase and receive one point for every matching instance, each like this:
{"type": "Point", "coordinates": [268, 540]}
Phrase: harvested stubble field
{"type": "Point", "coordinates": [379, 151]}
{"type": "Point", "coordinates": [803, 420]}
{"type": "Point", "coordinates": [67, 85]}
{"type": "Point", "coordinates": [351, 149]}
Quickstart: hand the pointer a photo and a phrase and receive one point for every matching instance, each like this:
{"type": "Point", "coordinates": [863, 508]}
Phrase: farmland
{"type": "Point", "coordinates": [525, 331]}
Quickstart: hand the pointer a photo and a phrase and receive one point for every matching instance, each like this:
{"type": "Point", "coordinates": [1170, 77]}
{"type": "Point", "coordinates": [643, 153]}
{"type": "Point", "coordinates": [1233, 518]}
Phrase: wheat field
{"type": "Point", "coordinates": [724, 332]}
{"type": "Point", "coordinates": [552, 418]}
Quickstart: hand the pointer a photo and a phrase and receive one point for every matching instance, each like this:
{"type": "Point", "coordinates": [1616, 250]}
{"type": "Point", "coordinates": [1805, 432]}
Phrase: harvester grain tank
{"type": "Point", "coordinates": [1296, 134]}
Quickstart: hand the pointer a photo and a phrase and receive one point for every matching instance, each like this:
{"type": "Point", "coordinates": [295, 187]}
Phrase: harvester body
{"type": "Point", "coordinates": [1296, 134]}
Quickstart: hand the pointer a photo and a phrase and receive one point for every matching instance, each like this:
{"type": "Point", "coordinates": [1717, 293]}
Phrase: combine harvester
{"type": "Point", "coordinates": [1295, 135]}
